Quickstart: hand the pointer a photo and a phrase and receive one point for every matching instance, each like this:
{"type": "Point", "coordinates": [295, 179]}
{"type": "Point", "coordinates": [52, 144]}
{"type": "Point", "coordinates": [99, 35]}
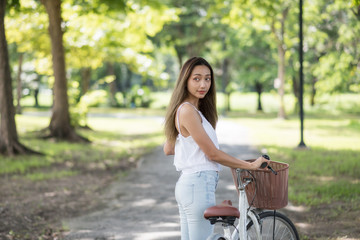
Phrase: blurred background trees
{"type": "Point", "coordinates": [119, 53]}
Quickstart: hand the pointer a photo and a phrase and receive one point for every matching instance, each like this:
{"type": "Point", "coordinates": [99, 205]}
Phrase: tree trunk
{"type": "Point", "coordinates": [281, 76]}
{"type": "Point", "coordinates": [258, 87]}
{"type": "Point", "coordinates": [313, 91]}
{"type": "Point", "coordinates": [228, 102]}
{"type": "Point", "coordinates": [129, 74]}
{"type": "Point", "coordinates": [281, 64]}
{"type": "Point", "coordinates": [36, 97]}
{"type": "Point", "coordinates": [127, 85]}
{"type": "Point", "coordinates": [19, 84]}
{"type": "Point", "coordinates": [296, 93]}
{"type": "Point", "coordinates": [60, 126]}
{"type": "Point", "coordinates": [121, 80]}
{"type": "Point", "coordinates": [225, 81]}
{"type": "Point", "coordinates": [179, 55]}
{"type": "Point", "coordinates": [85, 80]}
{"type": "Point", "coordinates": [295, 86]}
{"type": "Point", "coordinates": [225, 75]}
{"type": "Point", "coordinates": [9, 143]}
{"type": "Point", "coordinates": [112, 85]}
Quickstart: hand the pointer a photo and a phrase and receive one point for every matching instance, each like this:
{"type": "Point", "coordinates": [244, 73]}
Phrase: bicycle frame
{"type": "Point", "coordinates": [246, 215]}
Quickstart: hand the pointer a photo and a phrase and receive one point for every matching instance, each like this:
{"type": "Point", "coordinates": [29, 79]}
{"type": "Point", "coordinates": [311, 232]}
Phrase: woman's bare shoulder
{"type": "Point", "coordinates": [188, 111]}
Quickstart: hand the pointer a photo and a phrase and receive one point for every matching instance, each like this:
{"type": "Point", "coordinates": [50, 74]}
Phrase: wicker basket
{"type": "Point", "coordinates": [272, 190]}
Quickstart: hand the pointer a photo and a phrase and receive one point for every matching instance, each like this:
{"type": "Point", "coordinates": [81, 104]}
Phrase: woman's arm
{"type": "Point", "coordinates": [169, 148]}
{"type": "Point", "coordinates": [190, 124]}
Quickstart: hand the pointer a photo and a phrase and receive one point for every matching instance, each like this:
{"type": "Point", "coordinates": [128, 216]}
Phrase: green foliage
{"type": "Point", "coordinates": [143, 35]}
{"type": "Point", "coordinates": [79, 110]}
{"type": "Point", "coordinates": [196, 28]}
{"type": "Point", "coordinates": [140, 96]}
{"type": "Point", "coordinates": [337, 104]}
{"type": "Point", "coordinates": [94, 32]}
{"type": "Point", "coordinates": [231, 87]}
{"type": "Point", "coordinates": [331, 31]}
{"type": "Point", "coordinates": [12, 4]}
{"type": "Point", "coordinates": [333, 41]}
{"type": "Point", "coordinates": [119, 35]}
{"type": "Point", "coordinates": [255, 61]}
{"type": "Point", "coordinates": [26, 31]}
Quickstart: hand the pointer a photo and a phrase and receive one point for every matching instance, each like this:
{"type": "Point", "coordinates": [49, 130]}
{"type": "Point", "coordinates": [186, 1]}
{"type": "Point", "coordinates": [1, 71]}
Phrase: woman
{"type": "Point", "coordinates": [190, 132]}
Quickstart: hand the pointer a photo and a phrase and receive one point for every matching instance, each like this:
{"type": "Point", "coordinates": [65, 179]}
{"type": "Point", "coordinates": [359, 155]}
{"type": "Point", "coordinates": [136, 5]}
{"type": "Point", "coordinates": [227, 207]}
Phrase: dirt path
{"type": "Point", "coordinates": [142, 205]}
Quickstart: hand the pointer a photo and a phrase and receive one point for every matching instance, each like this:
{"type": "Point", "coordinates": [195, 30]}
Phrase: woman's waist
{"type": "Point", "coordinates": [205, 175]}
{"type": "Point", "coordinates": [197, 167]}
{"type": "Point", "coordinates": [196, 171]}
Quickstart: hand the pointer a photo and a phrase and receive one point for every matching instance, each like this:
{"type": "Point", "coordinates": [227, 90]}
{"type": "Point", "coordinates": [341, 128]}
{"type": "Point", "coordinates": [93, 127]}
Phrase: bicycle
{"type": "Point", "coordinates": [254, 222]}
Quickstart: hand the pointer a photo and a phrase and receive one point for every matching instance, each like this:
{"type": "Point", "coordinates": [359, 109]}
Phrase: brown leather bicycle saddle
{"type": "Point", "coordinates": [225, 209]}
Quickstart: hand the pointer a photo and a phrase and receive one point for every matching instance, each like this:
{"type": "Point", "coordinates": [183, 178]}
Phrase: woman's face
{"type": "Point", "coordinates": [199, 81]}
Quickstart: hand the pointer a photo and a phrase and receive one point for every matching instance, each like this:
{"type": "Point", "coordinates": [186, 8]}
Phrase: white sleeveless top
{"type": "Point", "coordinates": [189, 158]}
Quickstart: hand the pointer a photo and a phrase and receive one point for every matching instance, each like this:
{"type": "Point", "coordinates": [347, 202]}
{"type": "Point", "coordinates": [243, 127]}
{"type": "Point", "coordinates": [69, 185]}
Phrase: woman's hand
{"type": "Point", "coordinates": [169, 148]}
{"type": "Point", "coordinates": [257, 163]}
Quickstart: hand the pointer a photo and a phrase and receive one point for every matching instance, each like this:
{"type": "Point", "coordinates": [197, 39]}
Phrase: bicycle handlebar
{"type": "Point", "coordinates": [265, 164]}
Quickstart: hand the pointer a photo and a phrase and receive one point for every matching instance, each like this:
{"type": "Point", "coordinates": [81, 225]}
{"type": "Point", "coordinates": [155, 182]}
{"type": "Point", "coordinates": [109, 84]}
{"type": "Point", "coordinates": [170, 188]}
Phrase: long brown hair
{"type": "Point", "coordinates": [207, 105]}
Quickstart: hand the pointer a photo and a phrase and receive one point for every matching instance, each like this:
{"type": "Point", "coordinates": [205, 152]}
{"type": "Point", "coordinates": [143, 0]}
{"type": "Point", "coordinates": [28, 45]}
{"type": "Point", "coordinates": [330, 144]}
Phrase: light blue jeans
{"type": "Point", "coordinates": [194, 193]}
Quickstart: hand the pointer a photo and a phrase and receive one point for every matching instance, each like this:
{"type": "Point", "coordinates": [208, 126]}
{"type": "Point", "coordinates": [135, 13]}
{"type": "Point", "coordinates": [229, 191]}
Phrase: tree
{"type": "Point", "coordinates": [60, 126]}
{"type": "Point", "coordinates": [336, 42]}
{"type": "Point", "coordinates": [119, 34]}
{"type": "Point", "coordinates": [272, 17]}
{"type": "Point", "coordinates": [256, 66]}
{"type": "Point", "coordinates": [9, 142]}
{"type": "Point", "coordinates": [278, 34]}
{"type": "Point", "coordinates": [248, 51]}
{"type": "Point", "coordinates": [24, 33]}
{"type": "Point", "coordinates": [189, 35]}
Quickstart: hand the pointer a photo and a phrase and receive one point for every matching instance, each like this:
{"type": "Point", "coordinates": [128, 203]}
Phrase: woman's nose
{"type": "Point", "coordinates": [202, 83]}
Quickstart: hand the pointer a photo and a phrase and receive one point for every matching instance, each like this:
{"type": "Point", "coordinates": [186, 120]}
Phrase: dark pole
{"type": "Point", "coordinates": [301, 144]}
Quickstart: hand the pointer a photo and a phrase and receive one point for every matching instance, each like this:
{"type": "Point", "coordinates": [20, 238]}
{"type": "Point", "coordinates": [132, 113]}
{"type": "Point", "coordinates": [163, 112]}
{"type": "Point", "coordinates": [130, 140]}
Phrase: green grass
{"type": "Point", "coordinates": [114, 141]}
{"type": "Point", "coordinates": [329, 170]}
{"type": "Point", "coordinates": [40, 176]}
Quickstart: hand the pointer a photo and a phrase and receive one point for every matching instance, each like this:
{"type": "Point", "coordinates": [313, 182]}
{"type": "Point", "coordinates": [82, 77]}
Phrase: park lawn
{"type": "Point", "coordinates": [38, 191]}
{"type": "Point", "coordinates": [113, 140]}
{"type": "Point", "coordinates": [324, 186]}
{"type": "Point", "coordinates": [328, 170]}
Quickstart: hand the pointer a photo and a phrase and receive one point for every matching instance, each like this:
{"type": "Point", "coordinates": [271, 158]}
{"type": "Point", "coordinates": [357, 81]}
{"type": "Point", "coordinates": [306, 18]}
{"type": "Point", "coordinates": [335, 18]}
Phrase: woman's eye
{"type": "Point", "coordinates": [208, 79]}
{"type": "Point", "coordinates": [197, 79]}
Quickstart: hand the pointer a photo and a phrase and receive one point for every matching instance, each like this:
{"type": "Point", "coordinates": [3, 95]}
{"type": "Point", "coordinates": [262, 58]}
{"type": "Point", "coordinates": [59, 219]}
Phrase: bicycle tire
{"type": "Point", "coordinates": [216, 236]}
{"type": "Point", "coordinates": [284, 228]}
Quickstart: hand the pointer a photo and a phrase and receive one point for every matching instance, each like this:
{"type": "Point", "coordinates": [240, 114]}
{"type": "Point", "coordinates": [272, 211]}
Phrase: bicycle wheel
{"type": "Point", "coordinates": [284, 228]}
{"type": "Point", "coordinates": [216, 236]}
